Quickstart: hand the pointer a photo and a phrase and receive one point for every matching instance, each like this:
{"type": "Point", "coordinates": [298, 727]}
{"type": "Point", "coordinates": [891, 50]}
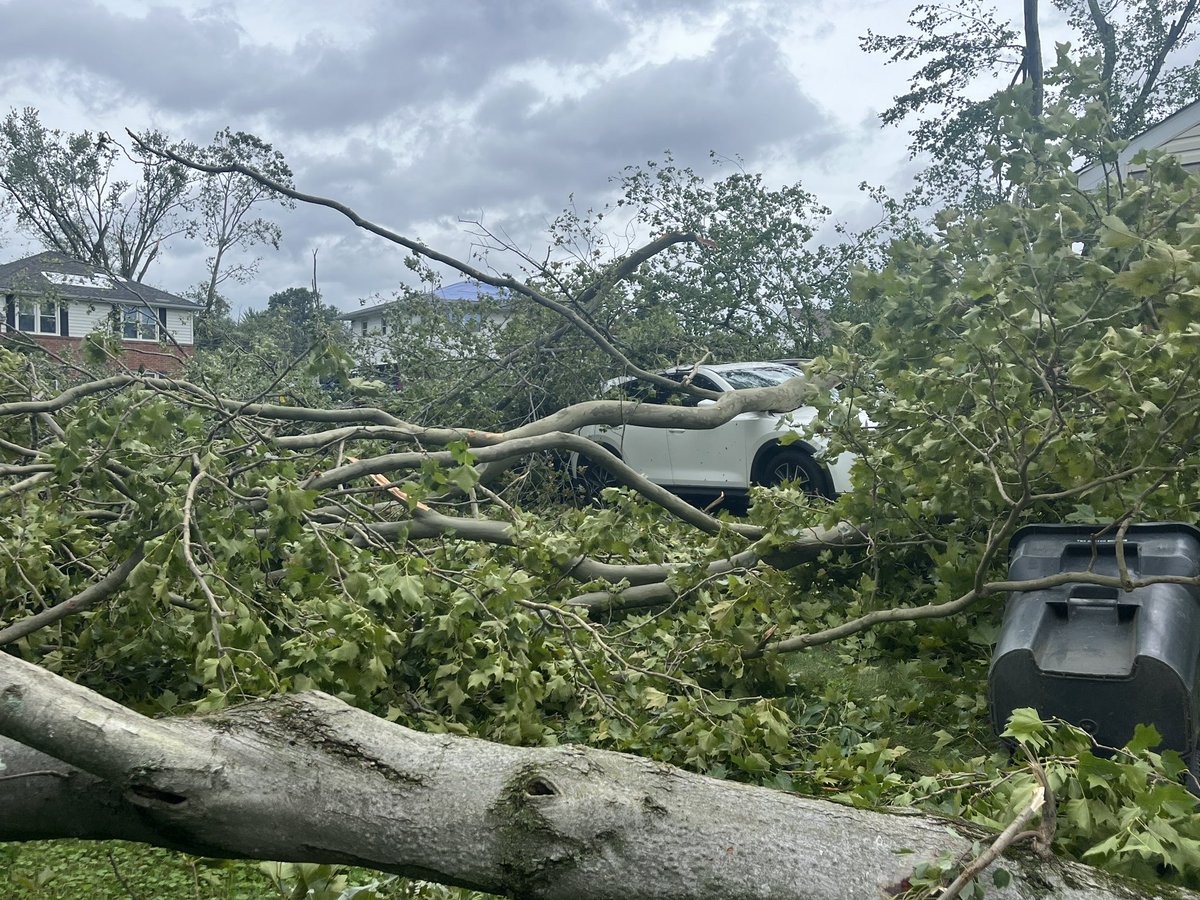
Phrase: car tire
{"type": "Point", "coordinates": [792, 466]}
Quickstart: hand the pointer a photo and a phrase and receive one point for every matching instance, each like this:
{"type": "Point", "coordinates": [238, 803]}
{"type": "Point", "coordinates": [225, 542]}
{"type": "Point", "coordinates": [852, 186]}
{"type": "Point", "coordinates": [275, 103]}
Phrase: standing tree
{"type": "Point", "coordinates": [1141, 49]}
{"type": "Point", "coordinates": [286, 349]}
{"type": "Point", "coordinates": [758, 286]}
{"type": "Point", "coordinates": [67, 190]}
{"type": "Point", "coordinates": [227, 201]}
{"type": "Point", "coordinates": [70, 191]}
{"type": "Point", "coordinates": [300, 316]}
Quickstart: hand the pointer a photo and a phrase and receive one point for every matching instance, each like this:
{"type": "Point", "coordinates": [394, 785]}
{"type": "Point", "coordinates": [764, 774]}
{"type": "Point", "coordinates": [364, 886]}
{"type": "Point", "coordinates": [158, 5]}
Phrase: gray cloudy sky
{"type": "Point", "coordinates": [418, 113]}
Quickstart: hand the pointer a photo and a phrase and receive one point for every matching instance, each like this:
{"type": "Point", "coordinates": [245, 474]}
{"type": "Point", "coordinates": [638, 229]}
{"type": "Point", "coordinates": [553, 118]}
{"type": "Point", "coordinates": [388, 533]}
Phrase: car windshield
{"type": "Point", "coordinates": [759, 376]}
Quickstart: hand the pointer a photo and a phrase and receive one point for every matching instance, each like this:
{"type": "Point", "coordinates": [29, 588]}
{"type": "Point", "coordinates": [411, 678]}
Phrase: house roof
{"type": "Point", "coordinates": [459, 292]}
{"type": "Point", "coordinates": [1173, 126]}
{"type": "Point", "coordinates": [54, 272]}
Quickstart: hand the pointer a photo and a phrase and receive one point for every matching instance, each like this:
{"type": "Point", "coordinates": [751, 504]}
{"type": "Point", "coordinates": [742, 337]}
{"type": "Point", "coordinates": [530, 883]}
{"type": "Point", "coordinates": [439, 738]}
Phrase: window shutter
{"type": "Point", "coordinates": [162, 321]}
{"type": "Point", "coordinates": [64, 322]}
{"type": "Point", "coordinates": [10, 312]}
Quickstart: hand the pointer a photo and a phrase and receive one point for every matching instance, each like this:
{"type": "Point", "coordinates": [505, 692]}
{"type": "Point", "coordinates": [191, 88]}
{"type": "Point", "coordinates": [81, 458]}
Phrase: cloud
{"type": "Point", "coordinates": [520, 150]}
{"type": "Point", "coordinates": [173, 61]}
{"type": "Point", "coordinates": [420, 56]}
{"type": "Point", "coordinates": [414, 55]}
{"type": "Point", "coordinates": [418, 113]}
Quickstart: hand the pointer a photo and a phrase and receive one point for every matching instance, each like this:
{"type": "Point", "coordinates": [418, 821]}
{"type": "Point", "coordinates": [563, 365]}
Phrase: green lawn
{"type": "Point", "coordinates": [114, 870]}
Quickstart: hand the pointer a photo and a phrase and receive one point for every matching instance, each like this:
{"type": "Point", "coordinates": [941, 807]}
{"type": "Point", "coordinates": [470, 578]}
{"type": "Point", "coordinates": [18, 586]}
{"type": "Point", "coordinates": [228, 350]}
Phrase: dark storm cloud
{"type": "Point", "coordinates": [737, 100]}
{"type": "Point", "coordinates": [436, 53]}
{"type": "Point", "coordinates": [166, 58]}
{"type": "Point", "coordinates": [656, 8]}
{"type": "Point", "coordinates": [515, 163]}
{"type": "Point", "coordinates": [427, 113]}
{"type": "Point", "coordinates": [416, 54]}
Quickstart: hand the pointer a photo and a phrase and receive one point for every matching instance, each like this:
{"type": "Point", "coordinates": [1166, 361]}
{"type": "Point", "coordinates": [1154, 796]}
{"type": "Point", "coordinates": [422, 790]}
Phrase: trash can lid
{"type": "Point", "coordinates": [1085, 530]}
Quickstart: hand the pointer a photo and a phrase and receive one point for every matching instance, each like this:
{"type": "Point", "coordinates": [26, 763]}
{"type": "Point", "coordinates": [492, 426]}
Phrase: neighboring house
{"type": "Point", "coordinates": [56, 301]}
{"type": "Point", "coordinates": [1177, 134]}
{"type": "Point", "coordinates": [470, 305]}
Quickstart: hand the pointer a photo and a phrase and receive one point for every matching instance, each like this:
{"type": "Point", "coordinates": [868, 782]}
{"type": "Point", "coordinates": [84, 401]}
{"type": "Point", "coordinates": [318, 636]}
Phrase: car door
{"type": "Point", "coordinates": [644, 449]}
{"type": "Point", "coordinates": [710, 458]}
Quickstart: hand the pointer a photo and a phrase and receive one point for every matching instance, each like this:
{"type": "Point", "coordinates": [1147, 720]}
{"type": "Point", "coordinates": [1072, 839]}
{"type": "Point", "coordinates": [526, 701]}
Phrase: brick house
{"type": "Point", "coordinates": [55, 301]}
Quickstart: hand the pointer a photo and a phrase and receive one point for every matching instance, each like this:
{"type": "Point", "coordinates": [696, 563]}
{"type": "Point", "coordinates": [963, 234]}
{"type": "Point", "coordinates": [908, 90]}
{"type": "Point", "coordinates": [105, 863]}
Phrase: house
{"type": "Point", "coordinates": [462, 308]}
{"type": "Point", "coordinates": [56, 301]}
{"type": "Point", "coordinates": [1177, 134]}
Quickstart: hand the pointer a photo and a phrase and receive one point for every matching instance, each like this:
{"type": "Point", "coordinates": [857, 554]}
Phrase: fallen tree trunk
{"type": "Point", "coordinates": [308, 778]}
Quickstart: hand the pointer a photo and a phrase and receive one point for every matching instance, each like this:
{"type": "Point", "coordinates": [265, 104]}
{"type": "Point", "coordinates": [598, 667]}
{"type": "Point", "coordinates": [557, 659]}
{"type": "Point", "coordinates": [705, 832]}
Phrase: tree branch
{"type": "Point", "coordinates": [275, 779]}
{"type": "Point", "coordinates": [1137, 110]}
{"type": "Point", "coordinates": [622, 268]}
{"type": "Point", "coordinates": [85, 599]}
{"type": "Point", "coordinates": [952, 607]}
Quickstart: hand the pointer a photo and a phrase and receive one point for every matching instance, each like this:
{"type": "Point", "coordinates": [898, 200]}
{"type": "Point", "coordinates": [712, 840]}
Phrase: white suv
{"type": "Point", "coordinates": [745, 450]}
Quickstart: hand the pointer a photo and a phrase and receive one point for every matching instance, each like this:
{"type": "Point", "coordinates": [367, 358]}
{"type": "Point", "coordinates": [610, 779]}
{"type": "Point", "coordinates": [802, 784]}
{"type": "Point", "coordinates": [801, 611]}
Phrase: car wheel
{"type": "Point", "coordinates": [794, 467]}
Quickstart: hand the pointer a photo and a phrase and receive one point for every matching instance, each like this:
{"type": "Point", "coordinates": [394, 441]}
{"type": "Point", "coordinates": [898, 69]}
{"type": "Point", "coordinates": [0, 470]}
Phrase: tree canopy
{"type": "Point", "coordinates": [67, 191]}
{"type": "Point", "coordinates": [972, 55]}
{"type": "Point", "coordinates": [89, 197]}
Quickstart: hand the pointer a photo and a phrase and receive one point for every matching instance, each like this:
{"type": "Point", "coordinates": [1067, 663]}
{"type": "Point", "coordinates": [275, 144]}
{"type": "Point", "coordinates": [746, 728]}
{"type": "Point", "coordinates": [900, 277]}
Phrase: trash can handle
{"type": "Point", "coordinates": [1093, 594]}
{"type": "Point", "coordinates": [1100, 547]}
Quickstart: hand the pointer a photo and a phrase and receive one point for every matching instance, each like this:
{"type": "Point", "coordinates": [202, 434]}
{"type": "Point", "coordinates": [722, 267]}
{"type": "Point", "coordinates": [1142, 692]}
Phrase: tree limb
{"type": "Point", "coordinates": [308, 778]}
{"type": "Point", "coordinates": [657, 592]}
{"type": "Point", "coordinates": [621, 268]}
{"type": "Point", "coordinates": [85, 599]}
{"type": "Point", "coordinates": [1137, 110]}
{"type": "Point", "coordinates": [391, 462]}
{"type": "Point", "coordinates": [952, 607]}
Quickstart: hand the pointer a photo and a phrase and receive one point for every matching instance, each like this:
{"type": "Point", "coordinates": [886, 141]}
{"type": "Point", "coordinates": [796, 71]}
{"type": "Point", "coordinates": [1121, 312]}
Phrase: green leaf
{"type": "Point", "coordinates": [1145, 737]}
{"type": "Point", "coordinates": [652, 698]}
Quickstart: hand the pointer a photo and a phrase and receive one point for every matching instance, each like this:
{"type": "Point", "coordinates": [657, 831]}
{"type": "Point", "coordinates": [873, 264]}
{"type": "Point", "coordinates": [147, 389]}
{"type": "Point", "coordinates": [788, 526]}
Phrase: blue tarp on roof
{"type": "Point", "coordinates": [460, 292]}
{"type": "Point", "coordinates": [471, 291]}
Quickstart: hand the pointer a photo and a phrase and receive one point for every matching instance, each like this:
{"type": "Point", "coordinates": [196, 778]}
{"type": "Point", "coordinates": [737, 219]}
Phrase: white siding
{"type": "Point", "coordinates": [86, 317]}
{"type": "Point", "coordinates": [179, 324]}
{"type": "Point", "coordinates": [1178, 134]}
{"type": "Point", "coordinates": [372, 349]}
{"type": "Point", "coordinates": [1185, 146]}
{"type": "Point", "coordinates": [374, 325]}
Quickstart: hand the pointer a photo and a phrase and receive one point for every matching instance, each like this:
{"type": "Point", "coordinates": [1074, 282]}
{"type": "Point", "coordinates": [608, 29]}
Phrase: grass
{"type": "Point", "coordinates": [115, 870]}
{"type": "Point", "coordinates": [75, 870]}
{"type": "Point", "coordinates": [926, 690]}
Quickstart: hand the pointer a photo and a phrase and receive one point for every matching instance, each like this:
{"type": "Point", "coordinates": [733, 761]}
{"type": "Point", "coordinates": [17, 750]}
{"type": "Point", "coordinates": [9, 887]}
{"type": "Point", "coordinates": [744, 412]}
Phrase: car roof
{"type": "Point", "coordinates": [716, 368]}
{"type": "Point", "coordinates": [729, 367]}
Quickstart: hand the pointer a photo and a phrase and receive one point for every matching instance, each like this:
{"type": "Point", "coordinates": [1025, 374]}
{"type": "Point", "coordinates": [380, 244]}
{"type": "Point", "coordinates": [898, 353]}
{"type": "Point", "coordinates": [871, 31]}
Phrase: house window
{"type": "Point", "coordinates": [139, 323]}
{"type": "Point", "coordinates": [37, 317]}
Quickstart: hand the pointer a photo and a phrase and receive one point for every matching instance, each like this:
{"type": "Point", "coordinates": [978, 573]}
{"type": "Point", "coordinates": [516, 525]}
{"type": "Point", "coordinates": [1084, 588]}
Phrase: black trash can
{"type": "Point", "coordinates": [1102, 658]}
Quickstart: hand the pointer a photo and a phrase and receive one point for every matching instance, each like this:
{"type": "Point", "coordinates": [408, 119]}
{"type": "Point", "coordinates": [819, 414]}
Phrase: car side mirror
{"type": "Point", "coordinates": [707, 402]}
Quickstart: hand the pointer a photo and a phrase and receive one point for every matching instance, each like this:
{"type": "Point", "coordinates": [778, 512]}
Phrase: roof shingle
{"type": "Point", "coordinates": [55, 273]}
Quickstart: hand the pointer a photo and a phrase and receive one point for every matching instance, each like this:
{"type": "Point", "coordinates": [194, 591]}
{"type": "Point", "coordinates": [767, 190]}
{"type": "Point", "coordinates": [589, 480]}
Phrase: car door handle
{"type": "Point", "coordinates": [676, 430]}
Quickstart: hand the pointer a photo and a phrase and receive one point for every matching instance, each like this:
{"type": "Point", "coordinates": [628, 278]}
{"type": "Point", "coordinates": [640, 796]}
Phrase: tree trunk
{"type": "Point", "coordinates": [1033, 57]}
{"type": "Point", "coordinates": [308, 778]}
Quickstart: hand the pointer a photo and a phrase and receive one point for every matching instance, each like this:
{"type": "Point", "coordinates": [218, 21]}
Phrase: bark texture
{"type": "Point", "coordinates": [308, 778]}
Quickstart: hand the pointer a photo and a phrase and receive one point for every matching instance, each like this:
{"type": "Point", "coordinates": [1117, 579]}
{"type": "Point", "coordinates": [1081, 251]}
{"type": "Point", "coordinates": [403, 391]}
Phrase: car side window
{"type": "Point", "coordinates": [683, 398]}
{"type": "Point", "coordinates": [634, 391]}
